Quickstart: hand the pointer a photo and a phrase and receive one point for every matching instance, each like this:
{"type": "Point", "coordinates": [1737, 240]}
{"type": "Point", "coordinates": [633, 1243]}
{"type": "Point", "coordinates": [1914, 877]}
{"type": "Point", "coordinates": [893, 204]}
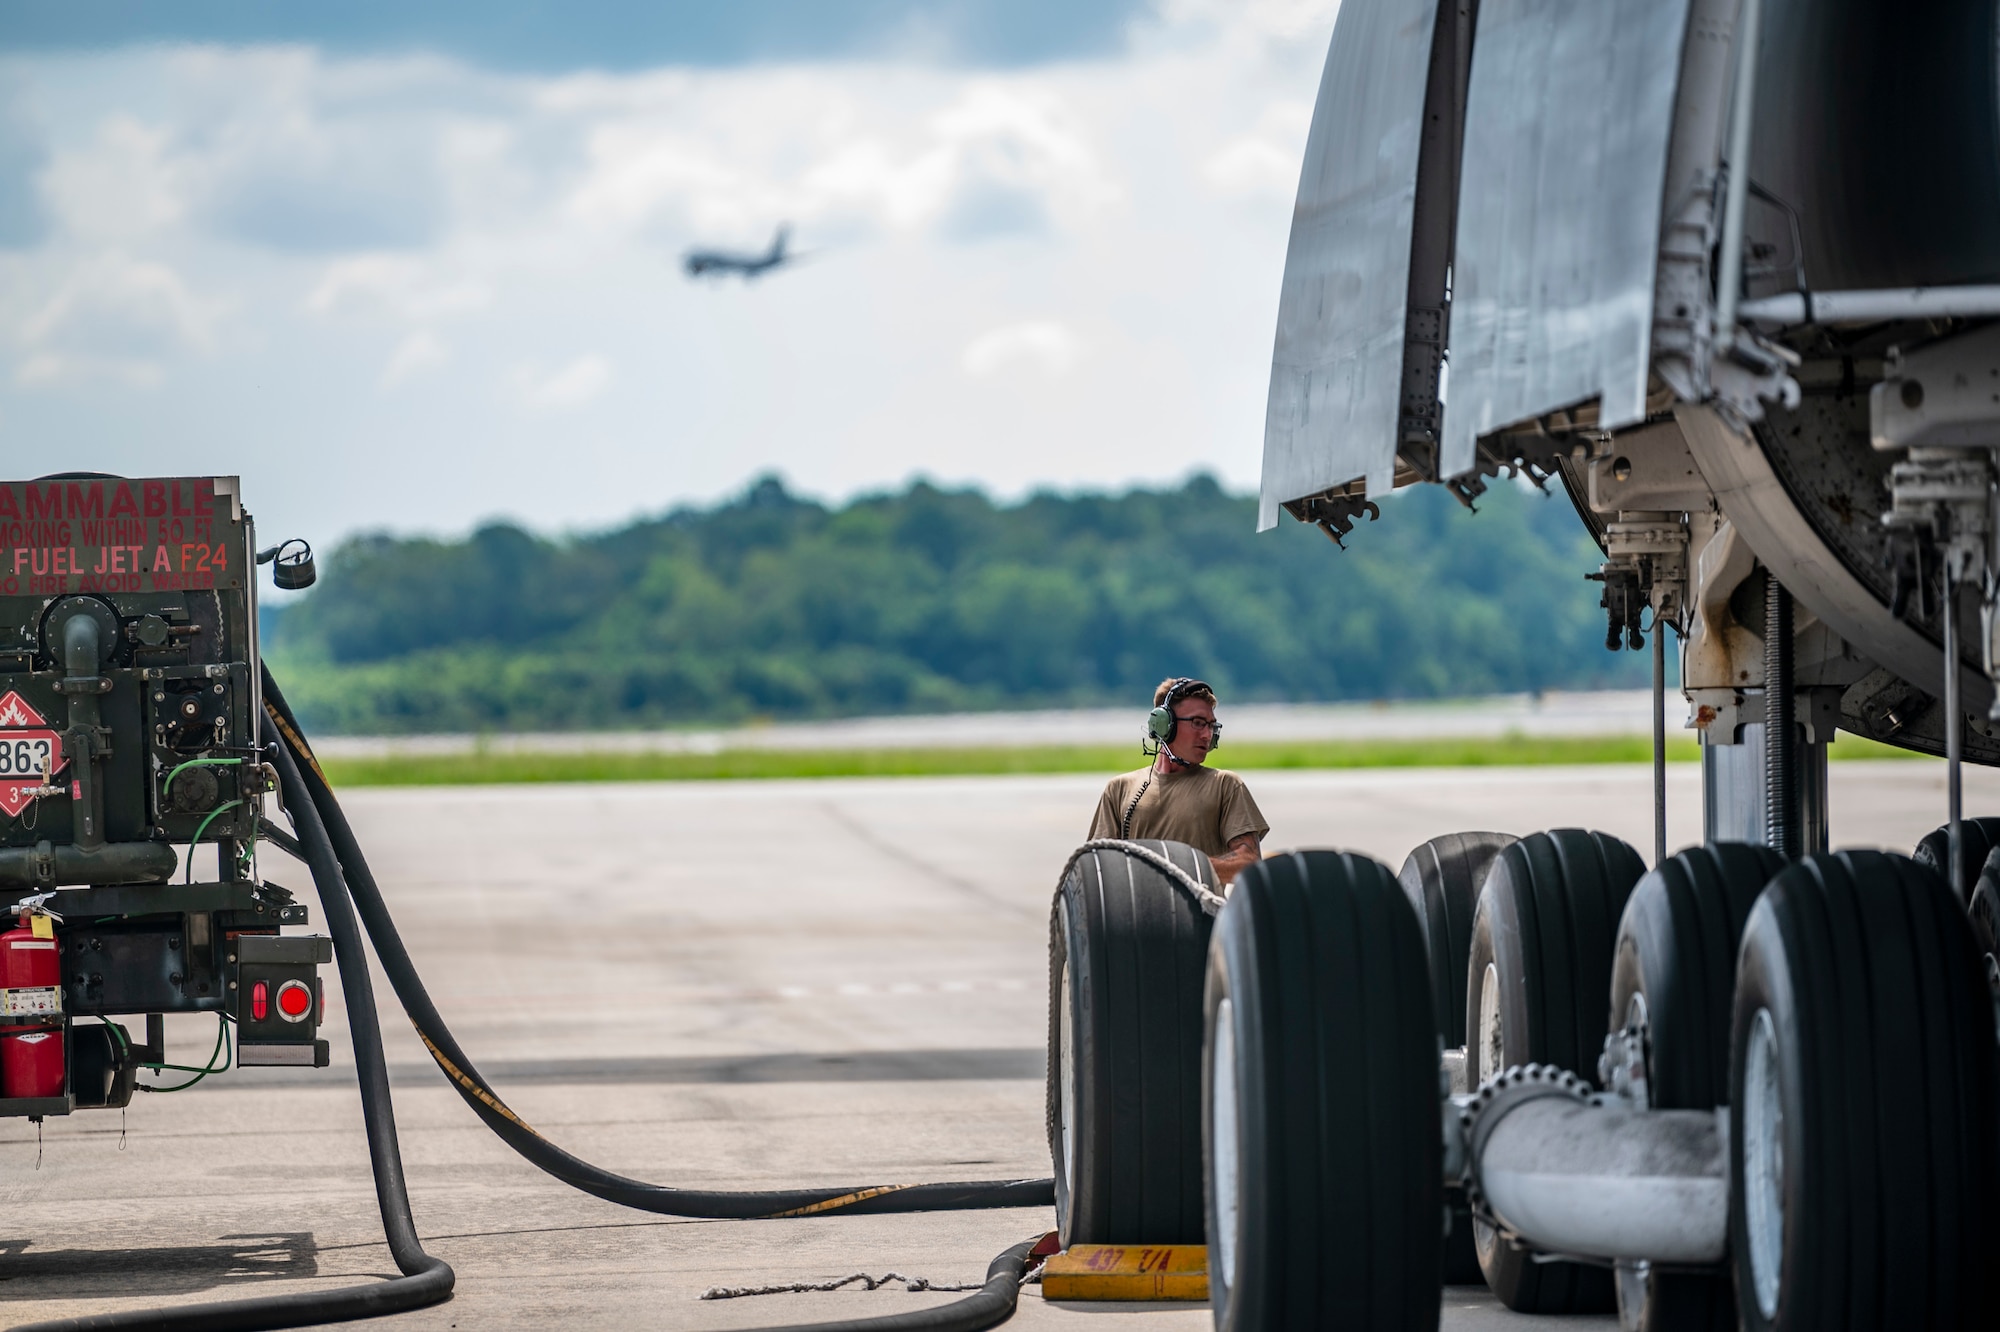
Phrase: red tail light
{"type": "Point", "coordinates": [260, 1001]}
{"type": "Point", "coordinates": [294, 1001]}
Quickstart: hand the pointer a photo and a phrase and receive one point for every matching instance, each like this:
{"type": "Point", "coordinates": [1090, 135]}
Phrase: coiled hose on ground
{"type": "Point", "coordinates": [347, 888]}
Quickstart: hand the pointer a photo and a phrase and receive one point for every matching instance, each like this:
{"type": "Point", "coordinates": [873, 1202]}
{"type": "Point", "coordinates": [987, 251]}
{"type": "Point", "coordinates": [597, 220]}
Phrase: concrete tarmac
{"type": "Point", "coordinates": [727, 985]}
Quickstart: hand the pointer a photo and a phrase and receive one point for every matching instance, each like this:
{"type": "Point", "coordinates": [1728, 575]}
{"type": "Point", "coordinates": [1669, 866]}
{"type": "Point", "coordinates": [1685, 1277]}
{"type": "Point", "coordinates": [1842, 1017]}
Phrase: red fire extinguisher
{"type": "Point", "coordinates": [31, 1019]}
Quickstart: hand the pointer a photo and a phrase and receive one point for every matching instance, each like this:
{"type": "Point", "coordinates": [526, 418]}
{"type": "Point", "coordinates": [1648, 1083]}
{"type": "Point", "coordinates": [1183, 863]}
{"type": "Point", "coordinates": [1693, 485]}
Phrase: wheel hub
{"type": "Point", "coordinates": [1763, 1162]}
{"type": "Point", "coordinates": [1066, 1057]}
{"type": "Point", "coordinates": [1492, 1049]}
{"type": "Point", "coordinates": [1223, 1144]}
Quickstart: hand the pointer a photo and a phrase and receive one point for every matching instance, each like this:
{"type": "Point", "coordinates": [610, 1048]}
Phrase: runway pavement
{"type": "Point", "coordinates": [724, 985]}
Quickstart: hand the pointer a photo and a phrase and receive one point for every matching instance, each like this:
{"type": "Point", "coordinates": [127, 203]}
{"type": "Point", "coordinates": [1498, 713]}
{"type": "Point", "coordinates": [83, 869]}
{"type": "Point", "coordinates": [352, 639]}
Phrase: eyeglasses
{"type": "Point", "coordinates": [1200, 723]}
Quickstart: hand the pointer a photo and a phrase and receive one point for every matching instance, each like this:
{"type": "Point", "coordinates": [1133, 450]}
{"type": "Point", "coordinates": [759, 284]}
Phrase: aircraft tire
{"type": "Point", "coordinates": [1321, 1132]}
{"type": "Point", "coordinates": [1441, 878]}
{"type": "Point", "coordinates": [1673, 974]}
{"type": "Point", "coordinates": [1537, 983]}
{"type": "Point", "coordinates": [1127, 953]}
{"type": "Point", "coordinates": [1981, 837]}
{"type": "Point", "coordinates": [1984, 912]}
{"type": "Point", "coordinates": [1863, 1158]}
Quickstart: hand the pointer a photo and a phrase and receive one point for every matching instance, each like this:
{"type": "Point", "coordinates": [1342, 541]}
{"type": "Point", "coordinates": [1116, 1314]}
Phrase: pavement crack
{"type": "Point", "coordinates": [902, 855]}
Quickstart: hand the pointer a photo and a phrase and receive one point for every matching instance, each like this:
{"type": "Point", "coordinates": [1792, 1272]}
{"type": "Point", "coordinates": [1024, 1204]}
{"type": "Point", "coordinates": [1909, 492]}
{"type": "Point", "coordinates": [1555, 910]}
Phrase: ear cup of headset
{"type": "Point", "coordinates": [1162, 724]}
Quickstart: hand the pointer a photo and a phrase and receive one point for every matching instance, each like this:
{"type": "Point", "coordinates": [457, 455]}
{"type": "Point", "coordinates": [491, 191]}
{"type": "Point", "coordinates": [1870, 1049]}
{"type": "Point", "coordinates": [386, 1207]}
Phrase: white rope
{"type": "Point", "coordinates": [1208, 901]}
{"type": "Point", "coordinates": [912, 1284]}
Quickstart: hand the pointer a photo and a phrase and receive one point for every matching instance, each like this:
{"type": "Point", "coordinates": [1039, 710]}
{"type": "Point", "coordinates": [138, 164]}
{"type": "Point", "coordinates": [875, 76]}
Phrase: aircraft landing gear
{"type": "Point", "coordinates": [1441, 878]}
{"type": "Point", "coordinates": [1323, 1150]}
{"type": "Point", "coordinates": [1862, 1086]}
{"type": "Point", "coordinates": [1672, 979]}
{"type": "Point", "coordinates": [1539, 969]}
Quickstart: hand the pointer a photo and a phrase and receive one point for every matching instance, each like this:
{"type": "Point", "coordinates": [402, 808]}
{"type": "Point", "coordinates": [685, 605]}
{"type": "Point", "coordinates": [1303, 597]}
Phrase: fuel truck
{"type": "Point", "coordinates": [1728, 273]}
{"type": "Point", "coordinates": [130, 701]}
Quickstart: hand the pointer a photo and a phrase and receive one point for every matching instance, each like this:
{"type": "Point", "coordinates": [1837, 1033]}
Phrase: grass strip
{"type": "Point", "coordinates": [487, 767]}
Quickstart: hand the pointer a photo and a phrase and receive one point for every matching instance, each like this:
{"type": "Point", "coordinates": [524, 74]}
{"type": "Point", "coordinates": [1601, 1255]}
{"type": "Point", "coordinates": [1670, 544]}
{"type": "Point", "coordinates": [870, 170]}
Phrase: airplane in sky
{"type": "Point", "coordinates": [721, 263]}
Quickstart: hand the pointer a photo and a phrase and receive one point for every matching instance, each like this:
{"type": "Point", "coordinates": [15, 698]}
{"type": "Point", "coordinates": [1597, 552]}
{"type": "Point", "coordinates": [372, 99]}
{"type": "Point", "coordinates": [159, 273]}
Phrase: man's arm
{"type": "Point", "coordinates": [1244, 826]}
{"type": "Point", "coordinates": [1243, 852]}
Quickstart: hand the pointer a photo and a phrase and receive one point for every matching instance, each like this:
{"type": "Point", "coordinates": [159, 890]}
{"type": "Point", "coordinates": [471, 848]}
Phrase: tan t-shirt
{"type": "Point", "coordinates": [1206, 808]}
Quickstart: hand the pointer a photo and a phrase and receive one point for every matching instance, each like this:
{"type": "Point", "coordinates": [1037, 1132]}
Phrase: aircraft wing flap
{"type": "Point", "coordinates": [1568, 118]}
{"type": "Point", "coordinates": [1336, 370]}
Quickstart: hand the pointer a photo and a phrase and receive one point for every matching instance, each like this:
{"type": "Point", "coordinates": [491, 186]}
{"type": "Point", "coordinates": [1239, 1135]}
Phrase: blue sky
{"type": "Point", "coordinates": [416, 271]}
{"type": "Point", "coordinates": [551, 37]}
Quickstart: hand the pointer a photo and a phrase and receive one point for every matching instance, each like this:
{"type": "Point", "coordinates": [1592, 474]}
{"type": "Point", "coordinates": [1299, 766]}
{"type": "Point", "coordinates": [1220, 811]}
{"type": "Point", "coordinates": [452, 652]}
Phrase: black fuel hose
{"type": "Point", "coordinates": [523, 1137]}
{"type": "Point", "coordinates": [425, 1280]}
{"type": "Point", "coordinates": [992, 1306]}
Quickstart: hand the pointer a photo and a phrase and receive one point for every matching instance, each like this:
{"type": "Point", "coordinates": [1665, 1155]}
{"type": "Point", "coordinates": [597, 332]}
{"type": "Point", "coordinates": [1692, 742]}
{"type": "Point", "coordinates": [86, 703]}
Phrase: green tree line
{"type": "Point", "coordinates": [930, 599]}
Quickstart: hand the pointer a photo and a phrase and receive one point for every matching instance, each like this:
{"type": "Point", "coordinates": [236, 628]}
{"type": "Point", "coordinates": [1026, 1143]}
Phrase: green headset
{"type": "Point", "coordinates": [1161, 724]}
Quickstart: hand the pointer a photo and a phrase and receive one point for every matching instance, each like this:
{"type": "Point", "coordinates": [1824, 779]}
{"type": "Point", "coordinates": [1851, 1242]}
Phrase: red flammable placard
{"type": "Point", "coordinates": [28, 751]}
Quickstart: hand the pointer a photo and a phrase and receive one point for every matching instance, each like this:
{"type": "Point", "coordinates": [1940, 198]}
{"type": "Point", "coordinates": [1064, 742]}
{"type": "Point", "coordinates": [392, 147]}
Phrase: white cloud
{"type": "Point", "coordinates": [1022, 140]}
{"type": "Point", "coordinates": [23, 154]}
{"type": "Point", "coordinates": [421, 351]}
{"type": "Point", "coordinates": [1280, 20]}
{"type": "Point", "coordinates": [117, 318]}
{"type": "Point", "coordinates": [1294, 20]}
{"type": "Point", "coordinates": [1251, 165]}
{"type": "Point", "coordinates": [1014, 273]}
{"type": "Point", "coordinates": [696, 155]}
{"type": "Point", "coordinates": [393, 285]}
{"type": "Point", "coordinates": [636, 171]}
{"type": "Point", "coordinates": [1042, 344]}
{"type": "Point", "coordinates": [120, 184]}
{"type": "Point", "coordinates": [873, 178]}
{"type": "Point", "coordinates": [572, 385]}
{"type": "Point", "coordinates": [308, 178]}
{"type": "Point", "coordinates": [42, 368]}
